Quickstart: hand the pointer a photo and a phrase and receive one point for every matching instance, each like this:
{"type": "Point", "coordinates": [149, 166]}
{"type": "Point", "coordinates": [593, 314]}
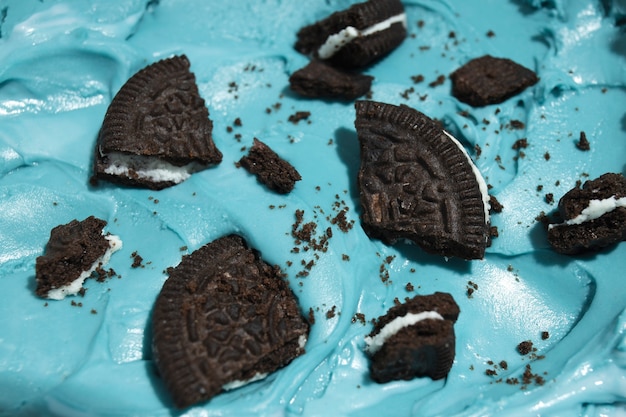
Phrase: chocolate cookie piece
{"type": "Point", "coordinates": [488, 80]}
{"type": "Point", "coordinates": [357, 36]}
{"type": "Point", "coordinates": [156, 131]}
{"type": "Point", "coordinates": [319, 80]}
{"type": "Point", "coordinates": [594, 216]}
{"type": "Point", "coordinates": [414, 339]}
{"type": "Point", "coordinates": [74, 251]}
{"type": "Point", "coordinates": [418, 183]}
{"type": "Point", "coordinates": [270, 169]}
{"type": "Point", "coordinates": [224, 317]}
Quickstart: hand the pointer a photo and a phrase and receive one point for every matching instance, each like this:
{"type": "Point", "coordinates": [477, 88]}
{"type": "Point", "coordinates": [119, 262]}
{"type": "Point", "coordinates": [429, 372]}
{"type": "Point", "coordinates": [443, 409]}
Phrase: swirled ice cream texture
{"type": "Point", "coordinates": [62, 62]}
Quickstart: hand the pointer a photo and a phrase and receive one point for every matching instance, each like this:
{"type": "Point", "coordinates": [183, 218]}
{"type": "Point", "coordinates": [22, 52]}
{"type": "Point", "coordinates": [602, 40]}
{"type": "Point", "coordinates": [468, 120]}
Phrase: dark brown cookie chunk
{"type": "Point", "coordinates": [357, 36]}
{"type": "Point", "coordinates": [74, 251]}
{"type": "Point", "coordinates": [416, 182]}
{"type": "Point", "coordinates": [583, 142]}
{"type": "Point", "coordinates": [223, 317]}
{"type": "Point", "coordinates": [594, 216]}
{"type": "Point", "coordinates": [488, 80]}
{"type": "Point", "coordinates": [273, 171]}
{"type": "Point", "coordinates": [156, 131]}
{"type": "Point", "coordinates": [319, 80]}
{"type": "Point", "coordinates": [414, 339]}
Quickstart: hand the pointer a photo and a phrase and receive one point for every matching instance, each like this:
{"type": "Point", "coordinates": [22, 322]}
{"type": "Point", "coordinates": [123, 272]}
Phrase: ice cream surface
{"type": "Point", "coordinates": [61, 63]}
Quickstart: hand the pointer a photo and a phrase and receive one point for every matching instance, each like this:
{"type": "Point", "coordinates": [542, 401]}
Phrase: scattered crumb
{"type": "Point", "coordinates": [471, 288]}
{"type": "Point", "coordinates": [520, 144]}
{"type": "Point", "coordinates": [439, 81]}
{"type": "Point", "coordinates": [331, 313]}
{"type": "Point", "coordinates": [360, 317]}
{"type": "Point", "coordinates": [583, 143]}
{"type": "Point", "coordinates": [525, 347]}
{"type": "Point", "coordinates": [496, 207]}
{"type": "Point", "coordinates": [137, 260]}
{"type": "Point", "coordinates": [417, 78]}
{"type": "Point", "coordinates": [299, 116]}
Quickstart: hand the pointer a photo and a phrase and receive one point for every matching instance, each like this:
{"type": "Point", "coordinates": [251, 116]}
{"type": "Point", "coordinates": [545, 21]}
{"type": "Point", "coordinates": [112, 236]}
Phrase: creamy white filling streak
{"type": "Point", "coordinates": [150, 168]}
{"type": "Point", "coordinates": [374, 343]}
{"type": "Point", "coordinates": [115, 244]}
{"type": "Point", "coordinates": [482, 185]}
{"type": "Point", "coordinates": [258, 376]}
{"type": "Point", "coordinates": [338, 40]}
{"type": "Point", "coordinates": [238, 384]}
{"type": "Point", "coordinates": [595, 210]}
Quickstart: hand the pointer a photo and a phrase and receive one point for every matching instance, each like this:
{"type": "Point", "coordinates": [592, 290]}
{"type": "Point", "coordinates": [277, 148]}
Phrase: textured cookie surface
{"type": "Point", "coordinates": [273, 171]}
{"type": "Point", "coordinates": [365, 48]}
{"type": "Point", "coordinates": [423, 348]}
{"type": "Point", "coordinates": [488, 80]}
{"type": "Point", "coordinates": [223, 316]}
{"type": "Point", "coordinates": [594, 216]}
{"type": "Point", "coordinates": [157, 122]}
{"type": "Point", "coordinates": [319, 80]}
{"type": "Point", "coordinates": [417, 183]}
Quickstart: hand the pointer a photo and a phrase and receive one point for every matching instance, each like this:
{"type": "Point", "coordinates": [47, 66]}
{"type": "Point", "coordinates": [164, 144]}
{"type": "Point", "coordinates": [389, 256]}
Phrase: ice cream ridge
{"type": "Point", "coordinates": [402, 208]}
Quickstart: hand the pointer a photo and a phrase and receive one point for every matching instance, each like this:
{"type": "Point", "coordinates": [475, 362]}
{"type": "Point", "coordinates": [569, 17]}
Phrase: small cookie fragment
{"type": "Point", "coordinates": [156, 131]}
{"type": "Point", "coordinates": [223, 318]}
{"type": "Point", "coordinates": [357, 36]}
{"type": "Point", "coordinates": [583, 142]}
{"type": "Point", "coordinates": [270, 169]}
{"type": "Point", "coordinates": [75, 251]}
{"type": "Point", "coordinates": [594, 216]}
{"type": "Point", "coordinates": [414, 339]}
{"type": "Point", "coordinates": [488, 80]}
{"type": "Point", "coordinates": [417, 182]}
{"type": "Point", "coordinates": [319, 80]}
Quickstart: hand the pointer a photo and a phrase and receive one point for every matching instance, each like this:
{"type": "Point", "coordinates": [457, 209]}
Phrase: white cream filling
{"type": "Point", "coordinates": [595, 209]}
{"type": "Point", "coordinates": [302, 341]}
{"type": "Point", "coordinates": [374, 343]}
{"type": "Point", "coordinates": [482, 185]}
{"type": "Point", "coordinates": [115, 244]}
{"type": "Point", "coordinates": [150, 168]}
{"type": "Point", "coordinates": [258, 376]}
{"type": "Point", "coordinates": [338, 40]}
{"type": "Point", "coordinates": [238, 384]}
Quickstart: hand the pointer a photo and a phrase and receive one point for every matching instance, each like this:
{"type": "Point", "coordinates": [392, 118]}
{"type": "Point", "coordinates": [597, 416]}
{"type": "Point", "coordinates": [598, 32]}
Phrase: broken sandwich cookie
{"type": "Point", "coordinates": [417, 183]}
{"type": "Point", "coordinates": [223, 318]}
{"type": "Point", "coordinates": [73, 253]}
{"type": "Point", "coordinates": [414, 339]}
{"type": "Point", "coordinates": [357, 36]}
{"type": "Point", "coordinates": [156, 131]}
{"type": "Point", "coordinates": [594, 216]}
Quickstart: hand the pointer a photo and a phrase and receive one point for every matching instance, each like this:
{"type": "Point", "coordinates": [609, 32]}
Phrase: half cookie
{"type": "Point", "coordinates": [223, 318]}
{"type": "Point", "coordinates": [357, 36]}
{"type": "Point", "coordinates": [594, 216]}
{"type": "Point", "coordinates": [74, 251]}
{"type": "Point", "coordinates": [156, 131]}
{"type": "Point", "coordinates": [417, 182]}
{"type": "Point", "coordinates": [414, 339]}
